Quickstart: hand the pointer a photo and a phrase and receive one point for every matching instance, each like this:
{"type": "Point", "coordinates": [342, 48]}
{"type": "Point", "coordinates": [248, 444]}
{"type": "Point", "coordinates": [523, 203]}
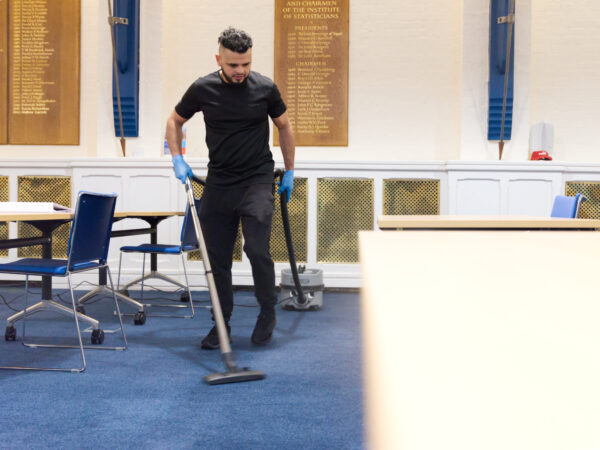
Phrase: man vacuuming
{"type": "Point", "coordinates": [237, 103]}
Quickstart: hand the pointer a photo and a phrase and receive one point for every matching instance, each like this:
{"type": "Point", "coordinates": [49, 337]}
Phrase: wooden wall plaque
{"type": "Point", "coordinates": [43, 71]}
{"type": "Point", "coordinates": [311, 68]}
{"type": "Point", "coordinates": [3, 71]}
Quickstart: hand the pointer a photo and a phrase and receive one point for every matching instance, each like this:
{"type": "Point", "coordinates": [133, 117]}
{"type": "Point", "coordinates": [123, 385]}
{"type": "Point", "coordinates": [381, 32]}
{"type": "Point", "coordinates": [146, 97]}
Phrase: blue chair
{"type": "Point", "coordinates": [88, 249]}
{"type": "Point", "coordinates": [188, 243]}
{"type": "Point", "coordinates": [567, 206]}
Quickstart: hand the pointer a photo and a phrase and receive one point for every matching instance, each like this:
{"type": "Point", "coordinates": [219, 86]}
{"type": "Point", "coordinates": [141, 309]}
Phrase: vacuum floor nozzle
{"type": "Point", "coordinates": [238, 376]}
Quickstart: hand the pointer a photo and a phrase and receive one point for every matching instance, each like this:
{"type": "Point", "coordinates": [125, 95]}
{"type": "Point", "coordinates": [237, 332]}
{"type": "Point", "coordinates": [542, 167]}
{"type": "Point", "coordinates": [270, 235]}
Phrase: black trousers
{"type": "Point", "coordinates": [220, 213]}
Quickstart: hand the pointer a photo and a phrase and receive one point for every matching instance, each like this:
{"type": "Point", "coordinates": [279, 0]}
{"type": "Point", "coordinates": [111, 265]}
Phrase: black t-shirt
{"type": "Point", "coordinates": [237, 126]}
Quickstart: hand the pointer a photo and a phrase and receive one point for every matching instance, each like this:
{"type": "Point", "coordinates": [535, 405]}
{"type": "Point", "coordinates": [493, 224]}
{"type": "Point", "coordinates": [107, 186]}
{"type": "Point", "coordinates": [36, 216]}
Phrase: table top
{"type": "Point", "coordinates": [488, 338]}
{"type": "Point", "coordinates": [403, 222]}
{"type": "Point", "coordinates": [29, 216]}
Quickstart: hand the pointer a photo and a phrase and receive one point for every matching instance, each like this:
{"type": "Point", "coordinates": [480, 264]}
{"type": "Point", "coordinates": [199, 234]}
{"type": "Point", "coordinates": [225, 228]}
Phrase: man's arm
{"type": "Point", "coordinates": [175, 132]}
{"type": "Point", "coordinates": [286, 140]}
{"type": "Point", "coordinates": [174, 137]}
{"type": "Point", "coordinates": [288, 150]}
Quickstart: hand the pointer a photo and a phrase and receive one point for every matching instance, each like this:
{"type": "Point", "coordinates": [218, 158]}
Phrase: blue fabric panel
{"type": "Point", "coordinates": [152, 248]}
{"type": "Point", "coordinates": [40, 266]}
{"type": "Point", "coordinates": [92, 223]}
{"type": "Point", "coordinates": [127, 48]}
{"type": "Point", "coordinates": [188, 231]}
{"type": "Point", "coordinates": [498, 42]}
{"type": "Point", "coordinates": [564, 206]}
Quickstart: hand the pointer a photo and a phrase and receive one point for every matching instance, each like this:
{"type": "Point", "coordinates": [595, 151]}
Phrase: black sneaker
{"type": "Point", "coordinates": [211, 341]}
{"type": "Point", "coordinates": [263, 330]}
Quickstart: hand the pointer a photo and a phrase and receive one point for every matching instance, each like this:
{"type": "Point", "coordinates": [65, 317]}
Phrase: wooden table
{"type": "Point", "coordinates": [481, 339]}
{"type": "Point", "coordinates": [48, 222]}
{"type": "Point", "coordinates": [452, 222]}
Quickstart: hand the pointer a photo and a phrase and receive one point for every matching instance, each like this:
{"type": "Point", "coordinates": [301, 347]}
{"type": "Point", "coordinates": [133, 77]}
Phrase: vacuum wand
{"type": "Point", "coordinates": [233, 374]}
{"type": "Point", "coordinates": [288, 241]}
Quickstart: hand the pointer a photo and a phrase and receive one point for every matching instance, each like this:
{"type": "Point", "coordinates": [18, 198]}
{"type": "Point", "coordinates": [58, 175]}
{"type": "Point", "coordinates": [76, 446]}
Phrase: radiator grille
{"type": "Point", "coordinates": [404, 197]}
{"type": "Point", "coordinates": [344, 207]}
{"type": "Point", "coordinates": [298, 217]}
{"type": "Point", "coordinates": [590, 209]}
{"type": "Point", "coordinates": [237, 249]}
{"type": "Point", "coordinates": [4, 197]}
{"type": "Point", "coordinates": [55, 189]}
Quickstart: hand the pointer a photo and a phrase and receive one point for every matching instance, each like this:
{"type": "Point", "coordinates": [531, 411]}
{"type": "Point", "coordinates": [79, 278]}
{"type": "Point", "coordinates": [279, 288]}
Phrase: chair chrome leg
{"type": "Point", "coordinates": [100, 290]}
{"type": "Point", "coordinates": [25, 309]}
{"type": "Point", "coordinates": [76, 325]}
{"type": "Point", "coordinates": [143, 271]}
{"type": "Point", "coordinates": [160, 276]}
{"type": "Point", "coordinates": [118, 310]}
{"type": "Point", "coordinates": [187, 283]}
{"type": "Point", "coordinates": [49, 305]}
{"type": "Point", "coordinates": [119, 274]}
{"type": "Point", "coordinates": [96, 291]}
{"type": "Point", "coordinates": [157, 275]}
{"type": "Point", "coordinates": [80, 346]}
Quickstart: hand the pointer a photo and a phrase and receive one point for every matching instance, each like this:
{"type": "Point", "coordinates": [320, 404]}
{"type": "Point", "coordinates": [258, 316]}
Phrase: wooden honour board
{"type": "Point", "coordinates": [3, 72]}
{"type": "Point", "coordinates": [311, 68]}
{"type": "Point", "coordinates": [43, 71]}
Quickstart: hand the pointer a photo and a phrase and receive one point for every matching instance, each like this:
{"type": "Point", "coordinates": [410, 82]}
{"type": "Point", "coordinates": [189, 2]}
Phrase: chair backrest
{"type": "Point", "coordinates": [567, 206]}
{"type": "Point", "coordinates": [91, 227]}
{"type": "Point", "coordinates": [188, 232]}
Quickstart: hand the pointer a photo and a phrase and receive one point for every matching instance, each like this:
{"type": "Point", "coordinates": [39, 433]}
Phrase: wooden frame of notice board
{"type": "Point", "coordinates": [3, 71]}
{"type": "Point", "coordinates": [311, 69]}
{"type": "Point", "coordinates": [40, 72]}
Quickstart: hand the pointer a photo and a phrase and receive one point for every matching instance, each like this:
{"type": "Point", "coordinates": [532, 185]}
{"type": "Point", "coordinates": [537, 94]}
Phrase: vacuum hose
{"type": "Point", "coordinates": [288, 240]}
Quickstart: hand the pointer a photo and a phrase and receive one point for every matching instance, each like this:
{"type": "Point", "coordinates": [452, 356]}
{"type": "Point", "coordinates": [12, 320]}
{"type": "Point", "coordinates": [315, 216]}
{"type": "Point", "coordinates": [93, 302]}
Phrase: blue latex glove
{"type": "Point", "coordinates": [182, 170]}
{"type": "Point", "coordinates": [287, 183]}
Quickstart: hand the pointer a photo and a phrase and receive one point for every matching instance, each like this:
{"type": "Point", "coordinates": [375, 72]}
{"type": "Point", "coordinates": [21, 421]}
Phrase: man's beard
{"type": "Point", "coordinates": [231, 80]}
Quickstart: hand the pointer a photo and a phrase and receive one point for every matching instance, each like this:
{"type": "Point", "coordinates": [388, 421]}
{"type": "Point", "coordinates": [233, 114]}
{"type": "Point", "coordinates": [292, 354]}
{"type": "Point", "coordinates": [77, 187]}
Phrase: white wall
{"type": "Point", "coordinates": [403, 81]}
{"type": "Point", "coordinates": [565, 63]}
{"type": "Point", "coordinates": [418, 77]}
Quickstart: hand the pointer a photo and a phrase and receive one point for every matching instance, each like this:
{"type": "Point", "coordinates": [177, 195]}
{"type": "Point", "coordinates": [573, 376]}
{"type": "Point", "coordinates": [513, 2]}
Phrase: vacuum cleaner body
{"type": "Point", "coordinates": [311, 282]}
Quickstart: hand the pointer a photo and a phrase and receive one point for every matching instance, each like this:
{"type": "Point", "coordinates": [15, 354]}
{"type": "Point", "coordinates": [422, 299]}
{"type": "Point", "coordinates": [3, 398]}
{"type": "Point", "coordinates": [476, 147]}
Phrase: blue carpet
{"type": "Point", "coordinates": [153, 396]}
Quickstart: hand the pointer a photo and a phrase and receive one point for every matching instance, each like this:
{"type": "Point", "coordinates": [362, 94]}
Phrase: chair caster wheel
{"type": "Point", "coordinates": [185, 297]}
{"type": "Point", "coordinates": [97, 336]}
{"type": "Point", "coordinates": [125, 292]}
{"type": "Point", "coordinates": [80, 309]}
{"type": "Point", "coordinates": [10, 334]}
{"type": "Point", "coordinates": [139, 318]}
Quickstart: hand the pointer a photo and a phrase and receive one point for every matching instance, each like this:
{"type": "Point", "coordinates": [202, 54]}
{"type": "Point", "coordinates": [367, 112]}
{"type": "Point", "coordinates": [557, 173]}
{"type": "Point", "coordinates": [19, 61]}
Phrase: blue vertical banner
{"type": "Point", "coordinates": [127, 48]}
{"type": "Point", "coordinates": [499, 35]}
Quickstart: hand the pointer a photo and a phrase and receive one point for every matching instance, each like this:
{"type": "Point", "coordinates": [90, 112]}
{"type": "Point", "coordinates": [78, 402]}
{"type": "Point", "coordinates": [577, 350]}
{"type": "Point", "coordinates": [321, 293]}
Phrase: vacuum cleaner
{"type": "Point", "coordinates": [232, 374]}
{"type": "Point", "coordinates": [293, 285]}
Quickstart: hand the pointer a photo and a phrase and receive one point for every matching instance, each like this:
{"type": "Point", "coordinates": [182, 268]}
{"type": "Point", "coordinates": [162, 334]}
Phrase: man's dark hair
{"type": "Point", "coordinates": [235, 40]}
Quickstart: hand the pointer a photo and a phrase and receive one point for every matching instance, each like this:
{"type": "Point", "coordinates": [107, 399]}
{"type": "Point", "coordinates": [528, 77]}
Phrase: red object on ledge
{"type": "Point", "coordinates": [541, 155]}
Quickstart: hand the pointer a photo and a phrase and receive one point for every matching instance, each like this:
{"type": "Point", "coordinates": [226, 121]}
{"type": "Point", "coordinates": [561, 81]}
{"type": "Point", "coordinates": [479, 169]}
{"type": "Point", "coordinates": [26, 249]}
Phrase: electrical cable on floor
{"type": "Point", "coordinates": [9, 303]}
{"type": "Point", "coordinates": [14, 299]}
{"type": "Point", "coordinates": [173, 292]}
{"type": "Point", "coordinates": [68, 302]}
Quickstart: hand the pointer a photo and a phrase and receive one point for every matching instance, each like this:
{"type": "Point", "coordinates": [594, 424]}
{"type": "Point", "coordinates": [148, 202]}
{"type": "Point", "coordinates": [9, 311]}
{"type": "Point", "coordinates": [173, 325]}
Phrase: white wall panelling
{"type": "Point", "coordinates": [145, 184]}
